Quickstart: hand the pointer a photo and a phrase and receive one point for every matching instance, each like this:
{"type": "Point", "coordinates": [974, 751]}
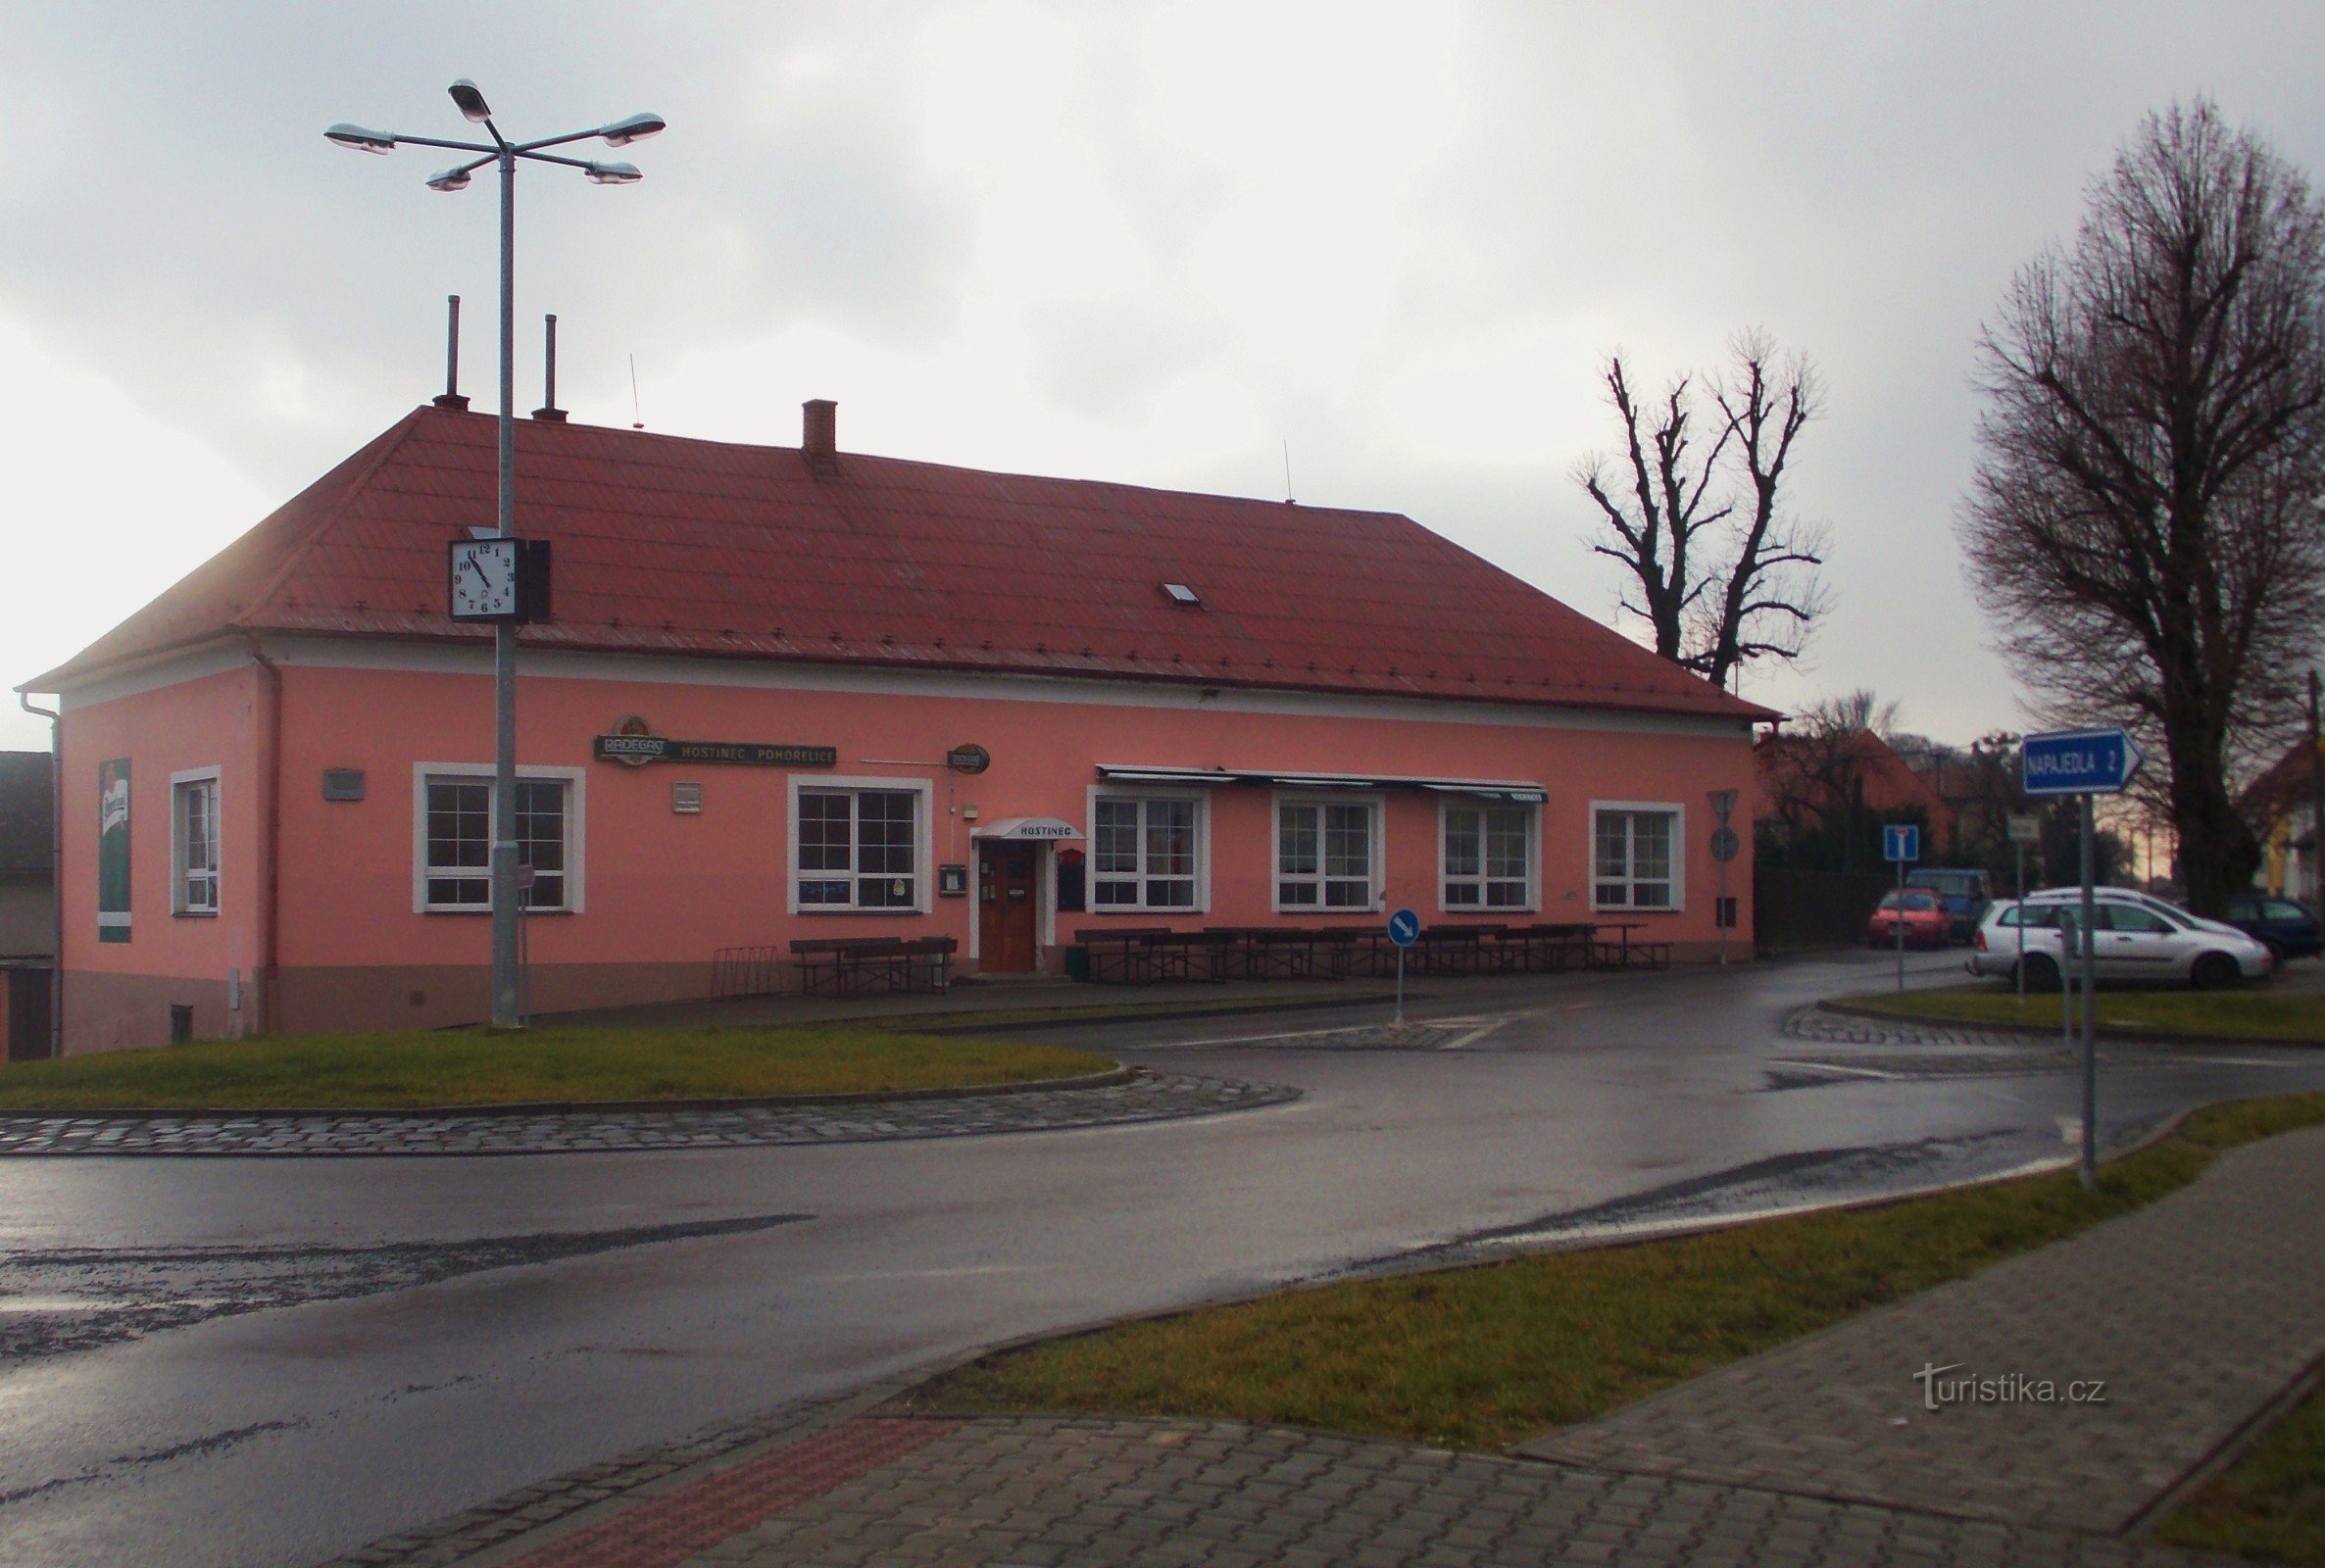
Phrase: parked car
{"type": "Point", "coordinates": [1921, 912]}
{"type": "Point", "coordinates": [1965, 893]}
{"type": "Point", "coordinates": [2135, 938]}
{"type": "Point", "coordinates": [2289, 928]}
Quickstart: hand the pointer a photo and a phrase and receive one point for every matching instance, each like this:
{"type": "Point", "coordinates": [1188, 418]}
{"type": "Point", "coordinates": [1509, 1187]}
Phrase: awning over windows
{"type": "Point", "coordinates": [1026, 827]}
{"type": "Point", "coordinates": [1484, 789]}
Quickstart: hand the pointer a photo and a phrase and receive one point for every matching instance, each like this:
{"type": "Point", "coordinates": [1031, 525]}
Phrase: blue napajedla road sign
{"type": "Point", "coordinates": [1901, 841]}
{"type": "Point", "coordinates": [1405, 928]}
{"type": "Point", "coordinates": [2078, 761]}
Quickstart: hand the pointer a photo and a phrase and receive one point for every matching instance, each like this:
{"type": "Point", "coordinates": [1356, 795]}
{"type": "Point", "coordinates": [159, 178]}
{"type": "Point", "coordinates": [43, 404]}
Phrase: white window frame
{"type": "Point", "coordinates": [179, 782]}
{"type": "Point", "coordinates": [1377, 832]}
{"type": "Point", "coordinates": [1106, 792]}
{"type": "Point", "coordinates": [1531, 903]}
{"type": "Point", "coordinates": [1678, 812]}
{"type": "Point", "coordinates": [922, 870]}
{"type": "Point", "coordinates": [576, 783]}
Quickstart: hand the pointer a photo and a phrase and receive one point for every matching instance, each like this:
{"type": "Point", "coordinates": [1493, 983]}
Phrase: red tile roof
{"type": "Point", "coordinates": [668, 545]}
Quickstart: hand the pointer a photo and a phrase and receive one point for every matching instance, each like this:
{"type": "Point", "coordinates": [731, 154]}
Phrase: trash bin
{"type": "Point", "coordinates": [1077, 962]}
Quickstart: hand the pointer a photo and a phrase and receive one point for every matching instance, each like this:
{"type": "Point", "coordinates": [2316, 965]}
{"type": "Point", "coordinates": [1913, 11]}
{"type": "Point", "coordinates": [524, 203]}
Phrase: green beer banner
{"type": "Point", "coordinates": [113, 850]}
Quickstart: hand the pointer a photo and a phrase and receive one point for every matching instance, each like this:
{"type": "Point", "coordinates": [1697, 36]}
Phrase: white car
{"type": "Point", "coordinates": [2133, 938]}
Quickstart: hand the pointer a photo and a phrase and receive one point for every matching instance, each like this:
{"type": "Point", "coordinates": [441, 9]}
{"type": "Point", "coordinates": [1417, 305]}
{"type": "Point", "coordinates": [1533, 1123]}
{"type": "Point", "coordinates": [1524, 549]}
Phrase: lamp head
{"type": "Point", "coordinates": [469, 100]}
{"type": "Point", "coordinates": [355, 138]}
{"type": "Point", "coordinates": [638, 127]}
{"type": "Point", "coordinates": [613, 174]}
{"type": "Point", "coordinates": [450, 179]}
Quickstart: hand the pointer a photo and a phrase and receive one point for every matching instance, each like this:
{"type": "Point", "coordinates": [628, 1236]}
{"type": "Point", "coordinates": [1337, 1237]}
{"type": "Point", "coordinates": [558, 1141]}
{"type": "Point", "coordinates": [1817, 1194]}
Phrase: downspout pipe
{"type": "Point", "coordinates": [270, 880]}
{"type": "Point", "coordinates": [55, 868]}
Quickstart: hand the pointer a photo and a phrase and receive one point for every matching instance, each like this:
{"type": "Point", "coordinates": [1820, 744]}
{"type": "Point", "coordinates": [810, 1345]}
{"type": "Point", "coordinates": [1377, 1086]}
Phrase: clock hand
{"type": "Point", "coordinates": [469, 561]}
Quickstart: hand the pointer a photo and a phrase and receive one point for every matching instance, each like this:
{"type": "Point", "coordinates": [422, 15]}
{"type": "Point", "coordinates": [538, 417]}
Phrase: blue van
{"type": "Point", "coordinates": [1965, 893]}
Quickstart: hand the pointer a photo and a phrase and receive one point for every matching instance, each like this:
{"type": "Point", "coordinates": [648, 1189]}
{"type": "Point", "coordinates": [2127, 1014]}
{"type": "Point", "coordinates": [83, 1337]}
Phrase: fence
{"type": "Point", "coordinates": [1793, 911]}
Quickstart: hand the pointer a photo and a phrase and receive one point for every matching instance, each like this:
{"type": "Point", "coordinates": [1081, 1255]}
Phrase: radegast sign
{"type": "Point", "coordinates": [639, 750]}
{"type": "Point", "coordinates": [2078, 761]}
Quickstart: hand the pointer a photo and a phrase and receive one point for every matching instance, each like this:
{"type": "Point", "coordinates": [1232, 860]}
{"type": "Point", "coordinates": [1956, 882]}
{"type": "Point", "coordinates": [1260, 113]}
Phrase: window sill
{"type": "Point", "coordinates": [193, 914]}
{"type": "Point", "coordinates": [1625, 908]}
{"type": "Point", "coordinates": [479, 908]}
{"type": "Point", "coordinates": [814, 910]}
{"type": "Point", "coordinates": [1148, 908]}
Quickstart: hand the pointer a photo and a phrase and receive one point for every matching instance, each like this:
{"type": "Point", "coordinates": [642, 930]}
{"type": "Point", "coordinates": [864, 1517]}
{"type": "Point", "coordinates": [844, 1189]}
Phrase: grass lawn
{"type": "Point", "coordinates": [2256, 1014]}
{"type": "Point", "coordinates": [2270, 1505]}
{"type": "Point", "coordinates": [1480, 1357]}
{"type": "Point", "coordinates": [412, 1067]}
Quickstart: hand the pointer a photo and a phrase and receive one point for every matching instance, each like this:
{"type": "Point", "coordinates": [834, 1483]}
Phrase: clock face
{"type": "Point", "coordinates": [484, 579]}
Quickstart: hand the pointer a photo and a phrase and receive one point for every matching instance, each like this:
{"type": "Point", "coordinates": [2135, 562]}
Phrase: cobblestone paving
{"type": "Point", "coordinates": [1838, 1028]}
{"type": "Point", "coordinates": [2195, 1313]}
{"type": "Point", "coordinates": [1149, 1097]}
{"type": "Point", "coordinates": [1044, 1493]}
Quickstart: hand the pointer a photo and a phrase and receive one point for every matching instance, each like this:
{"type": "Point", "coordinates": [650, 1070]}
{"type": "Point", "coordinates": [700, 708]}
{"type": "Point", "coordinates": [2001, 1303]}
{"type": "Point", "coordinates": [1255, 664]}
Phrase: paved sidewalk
{"type": "Point", "coordinates": [2196, 1313]}
{"type": "Point", "coordinates": [1147, 1097]}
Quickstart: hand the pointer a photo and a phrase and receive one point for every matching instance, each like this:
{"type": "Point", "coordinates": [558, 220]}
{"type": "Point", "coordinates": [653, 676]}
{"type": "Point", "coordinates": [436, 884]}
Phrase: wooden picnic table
{"type": "Point", "coordinates": [845, 965]}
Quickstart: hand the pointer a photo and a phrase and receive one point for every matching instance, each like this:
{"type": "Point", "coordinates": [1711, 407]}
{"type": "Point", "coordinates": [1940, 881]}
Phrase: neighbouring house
{"type": "Point", "coordinates": [791, 692]}
{"type": "Point", "coordinates": [2281, 806]}
{"type": "Point", "coordinates": [28, 902]}
{"type": "Point", "coordinates": [1813, 788]}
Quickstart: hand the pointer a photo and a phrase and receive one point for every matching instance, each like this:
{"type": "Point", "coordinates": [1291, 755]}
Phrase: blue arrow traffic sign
{"type": "Point", "coordinates": [2078, 761]}
{"type": "Point", "coordinates": [1901, 842]}
{"type": "Point", "coordinates": [1405, 928]}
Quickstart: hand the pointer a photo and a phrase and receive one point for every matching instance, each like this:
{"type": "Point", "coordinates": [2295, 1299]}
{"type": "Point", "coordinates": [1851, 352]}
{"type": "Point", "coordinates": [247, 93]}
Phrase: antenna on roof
{"type": "Point", "coordinates": [450, 398]}
{"type": "Point", "coordinates": [637, 413]}
{"type": "Point", "coordinates": [548, 409]}
{"type": "Point", "coordinates": [1288, 471]}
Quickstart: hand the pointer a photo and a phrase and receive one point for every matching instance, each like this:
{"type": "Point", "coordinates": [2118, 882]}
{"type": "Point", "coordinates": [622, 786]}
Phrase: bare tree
{"type": "Point", "coordinates": [1691, 507]}
{"type": "Point", "coordinates": [2143, 523]}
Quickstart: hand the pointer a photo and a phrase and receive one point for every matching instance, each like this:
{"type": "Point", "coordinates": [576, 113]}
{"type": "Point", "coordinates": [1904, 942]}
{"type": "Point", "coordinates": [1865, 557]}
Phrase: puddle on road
{"type": "Point", "coordinates": [58, 1299]}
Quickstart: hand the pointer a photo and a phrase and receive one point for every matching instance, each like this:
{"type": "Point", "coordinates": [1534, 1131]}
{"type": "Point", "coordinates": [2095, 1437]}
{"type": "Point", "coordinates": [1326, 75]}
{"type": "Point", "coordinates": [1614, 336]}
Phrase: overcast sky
{"type": "Point", "coordinates": [1150, 243]}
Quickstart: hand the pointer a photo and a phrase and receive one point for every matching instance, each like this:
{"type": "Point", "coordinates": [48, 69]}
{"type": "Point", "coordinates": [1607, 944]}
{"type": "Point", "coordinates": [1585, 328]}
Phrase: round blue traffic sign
{"type": "Point", "coordinates": [1405, 928]}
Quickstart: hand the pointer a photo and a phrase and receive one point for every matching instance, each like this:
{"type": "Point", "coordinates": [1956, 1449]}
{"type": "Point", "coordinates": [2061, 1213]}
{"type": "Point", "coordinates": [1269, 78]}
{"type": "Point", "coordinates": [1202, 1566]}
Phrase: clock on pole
{"type": "Point", "coordinates": [498, 579]}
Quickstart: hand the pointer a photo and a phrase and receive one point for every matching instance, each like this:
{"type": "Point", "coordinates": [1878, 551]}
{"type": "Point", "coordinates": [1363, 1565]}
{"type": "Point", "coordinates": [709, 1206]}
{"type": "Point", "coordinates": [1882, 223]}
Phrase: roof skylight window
{"type": "Point", "coordinates": [1181, 594]}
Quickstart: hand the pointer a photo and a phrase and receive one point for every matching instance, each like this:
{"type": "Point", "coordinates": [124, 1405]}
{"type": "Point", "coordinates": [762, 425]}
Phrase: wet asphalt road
{"type": "Point", "coordinates": [273, 1361]}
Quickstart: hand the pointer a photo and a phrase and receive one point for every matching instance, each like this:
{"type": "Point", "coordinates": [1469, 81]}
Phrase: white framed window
{"type": "Point", "coordinates": [451, 838]}
{"type": "Point", "coordinates": [194, 841]}
{"type": "Point", "coordinates": [1488, 854]}
{"type": "Point", "coordinates": [859, 843]}
{"type": "Point", "coordinates": [1147, 852]}
{"type": "Point", "coordinates": [1636, 858]}
{"type": "Point", "coordinates": [1327, 854]}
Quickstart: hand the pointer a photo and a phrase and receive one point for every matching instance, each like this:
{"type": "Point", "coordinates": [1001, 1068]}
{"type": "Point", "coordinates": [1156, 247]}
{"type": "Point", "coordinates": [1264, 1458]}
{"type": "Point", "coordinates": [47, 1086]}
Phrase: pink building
{"type": "Point", "coordinates": [892, 699]}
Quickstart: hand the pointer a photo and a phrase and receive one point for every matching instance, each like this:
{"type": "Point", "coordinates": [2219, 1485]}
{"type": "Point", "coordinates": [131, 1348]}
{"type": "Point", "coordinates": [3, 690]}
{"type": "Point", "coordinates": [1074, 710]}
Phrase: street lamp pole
{"type": "Point", "coordinates": [506, 910]}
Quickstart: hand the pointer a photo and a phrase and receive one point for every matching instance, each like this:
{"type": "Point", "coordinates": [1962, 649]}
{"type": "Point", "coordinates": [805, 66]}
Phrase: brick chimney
{"type": "Point", "coordinates": [819, 441]}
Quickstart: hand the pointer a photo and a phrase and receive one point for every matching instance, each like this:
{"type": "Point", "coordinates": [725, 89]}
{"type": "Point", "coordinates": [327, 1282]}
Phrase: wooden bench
{"type": "Point", "coordinates": [846, 965]}
{"type": "Point", "coordinates": [1124, 948]}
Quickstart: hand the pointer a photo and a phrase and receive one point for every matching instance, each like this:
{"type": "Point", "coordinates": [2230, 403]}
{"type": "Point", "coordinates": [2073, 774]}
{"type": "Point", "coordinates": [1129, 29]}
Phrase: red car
{"type": "Point", "coordinates": [1924, 915]}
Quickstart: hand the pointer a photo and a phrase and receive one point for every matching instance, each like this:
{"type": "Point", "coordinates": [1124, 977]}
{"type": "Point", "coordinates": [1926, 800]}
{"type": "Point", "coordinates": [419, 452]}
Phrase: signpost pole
{"type": "Point", "coordinates": [2021, 914]}
{"type": "Point", "coordinates": [1901, 925]}
{"type": "Point", "coordinates": [1405, 929]}
{"type": "Point", "coordinates": [2090, 1037]}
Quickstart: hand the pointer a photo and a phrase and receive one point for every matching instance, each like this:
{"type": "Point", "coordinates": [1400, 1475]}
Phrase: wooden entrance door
{"type": "Point", "coordinates": [1006, 905]}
